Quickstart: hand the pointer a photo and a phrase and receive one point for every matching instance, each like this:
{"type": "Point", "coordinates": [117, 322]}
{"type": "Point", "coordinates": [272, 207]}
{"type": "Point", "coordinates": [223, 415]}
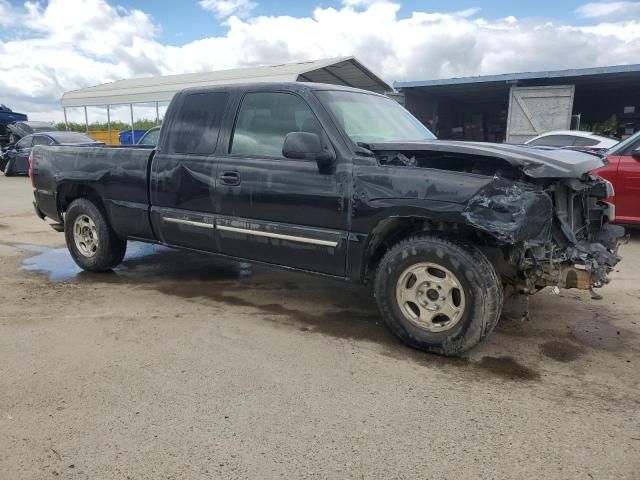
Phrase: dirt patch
{"type": "Point", "coordinates": [561, 351]}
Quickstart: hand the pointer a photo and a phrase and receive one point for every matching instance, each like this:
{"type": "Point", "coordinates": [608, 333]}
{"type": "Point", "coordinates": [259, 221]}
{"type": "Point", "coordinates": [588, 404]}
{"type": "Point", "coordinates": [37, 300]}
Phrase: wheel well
{"type": "Point", "coordinates": [395, 229]}
{"type": "Point", "coordinates": [68, 192]}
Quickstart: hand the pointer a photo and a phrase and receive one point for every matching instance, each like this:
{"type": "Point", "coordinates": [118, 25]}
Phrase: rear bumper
{"type": "Point", "coordinates": [45, 204]}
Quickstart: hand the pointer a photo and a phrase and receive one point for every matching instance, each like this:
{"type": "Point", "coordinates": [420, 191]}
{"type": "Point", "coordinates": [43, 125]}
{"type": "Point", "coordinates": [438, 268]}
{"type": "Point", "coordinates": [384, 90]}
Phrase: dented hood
{"type": "Point", "coordinates": [536, 162]}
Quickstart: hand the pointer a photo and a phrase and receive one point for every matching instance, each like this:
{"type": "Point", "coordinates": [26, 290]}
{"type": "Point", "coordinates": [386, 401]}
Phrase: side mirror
{"type": "Point", "coordinates": [307, 146]}
{"type": "Point", "coordinates": [635, 153]}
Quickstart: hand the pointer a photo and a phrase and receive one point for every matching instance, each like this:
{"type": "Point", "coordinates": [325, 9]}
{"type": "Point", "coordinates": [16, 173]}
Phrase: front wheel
{"type": "Point", "coordinates": [438, 294]}
{"type": "Point", "coordinates": [91, 241]}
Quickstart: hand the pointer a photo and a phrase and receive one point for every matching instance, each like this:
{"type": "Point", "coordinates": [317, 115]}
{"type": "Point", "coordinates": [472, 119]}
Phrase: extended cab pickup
{"type": "Point", "coordinates": [345, 183]}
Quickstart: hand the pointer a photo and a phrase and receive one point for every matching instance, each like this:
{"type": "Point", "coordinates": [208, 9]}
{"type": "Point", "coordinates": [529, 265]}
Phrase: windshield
{"type": "Point", "coordinates": [151, 137]}
{"type": "Point", "coordinates": [618, 148]}
{"type": "Point", "coordinates": [369, 118]}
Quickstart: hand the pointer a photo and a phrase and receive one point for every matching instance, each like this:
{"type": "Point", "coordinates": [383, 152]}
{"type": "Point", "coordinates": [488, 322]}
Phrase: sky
{"type": "Point", "coordinates": [47, 48]}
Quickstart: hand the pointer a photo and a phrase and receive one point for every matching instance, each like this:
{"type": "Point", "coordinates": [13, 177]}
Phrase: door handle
{"type": "Point", "coordinates": [230, 178]}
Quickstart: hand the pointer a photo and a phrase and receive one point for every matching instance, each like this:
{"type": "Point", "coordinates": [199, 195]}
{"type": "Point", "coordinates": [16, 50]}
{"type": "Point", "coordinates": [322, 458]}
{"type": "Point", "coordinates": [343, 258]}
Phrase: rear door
{"type": "Point", "coordinates": [274, 209]}
{"type": "Point", "coordinates": [536, 110]}
{"type": "Point", "coordinates": [183, 171]}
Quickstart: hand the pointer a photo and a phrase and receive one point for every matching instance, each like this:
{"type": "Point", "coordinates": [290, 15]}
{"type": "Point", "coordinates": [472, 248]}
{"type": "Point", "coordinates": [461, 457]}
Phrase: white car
{"type": "Point", "coordinates": [574, 139]}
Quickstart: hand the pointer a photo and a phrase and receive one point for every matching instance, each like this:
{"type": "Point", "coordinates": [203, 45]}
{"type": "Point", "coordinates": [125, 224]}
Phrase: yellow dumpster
{"type": "Point", "coordinates": [103, 136]}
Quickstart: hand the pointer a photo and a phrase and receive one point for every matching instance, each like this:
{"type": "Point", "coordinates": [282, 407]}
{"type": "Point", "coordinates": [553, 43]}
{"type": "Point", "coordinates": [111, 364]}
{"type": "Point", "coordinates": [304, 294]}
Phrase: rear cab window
{"type": "Point", "coordinates": [196, 125]}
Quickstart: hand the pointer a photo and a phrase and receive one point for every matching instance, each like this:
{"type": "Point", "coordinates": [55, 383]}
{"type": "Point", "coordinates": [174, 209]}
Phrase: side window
{"type": "Point", "coordinates": [554, 141]}
{"type": "Point", "coordinates": [585, 142]}
{"type": "Point", "coordinates": [25, 142]}
{"type": "Point", "coordinates": [40, 140]}
{"type": "Point", "coordinates": [196, 125]}
{"type": "Point", "coordinates": [265, 118]}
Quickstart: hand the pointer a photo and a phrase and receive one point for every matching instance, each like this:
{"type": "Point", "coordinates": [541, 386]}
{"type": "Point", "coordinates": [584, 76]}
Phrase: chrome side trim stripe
{"type": "Point", "coordinates": [280, 236]}
{"type": "Point", "coordinates": [191, 223]}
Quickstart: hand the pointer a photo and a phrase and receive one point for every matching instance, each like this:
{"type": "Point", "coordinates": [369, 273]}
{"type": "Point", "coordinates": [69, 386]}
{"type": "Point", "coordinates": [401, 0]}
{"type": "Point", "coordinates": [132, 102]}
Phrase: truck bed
{"type": "Point", "coordinates": [116, 175]}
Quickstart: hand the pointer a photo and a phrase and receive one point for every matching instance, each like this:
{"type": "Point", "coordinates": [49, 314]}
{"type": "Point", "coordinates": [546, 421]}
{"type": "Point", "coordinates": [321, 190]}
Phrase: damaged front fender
{"type": "Point", "coordinates": [511, 212]}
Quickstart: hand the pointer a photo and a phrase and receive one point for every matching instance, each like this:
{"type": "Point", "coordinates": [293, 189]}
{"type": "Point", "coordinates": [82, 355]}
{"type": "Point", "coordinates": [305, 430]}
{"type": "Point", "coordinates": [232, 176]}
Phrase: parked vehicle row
{"type": "Point", "coordinates": [344, 183]}
{"type": "Point", "coordinates": [15, 160]}
{"type": "Point", "coordinates": [19, 130]}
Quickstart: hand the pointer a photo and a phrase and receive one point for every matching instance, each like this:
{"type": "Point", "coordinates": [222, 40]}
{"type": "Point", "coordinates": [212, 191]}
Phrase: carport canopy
{"type": "Point", "coordinates": [346, 71]}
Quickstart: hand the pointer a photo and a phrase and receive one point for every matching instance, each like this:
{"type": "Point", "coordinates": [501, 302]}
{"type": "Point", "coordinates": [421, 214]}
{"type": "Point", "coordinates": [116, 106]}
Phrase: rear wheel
{"type": "Point", "coordinates": [438, 294]}
{"type": "Point", "coordinates": [91, 241]}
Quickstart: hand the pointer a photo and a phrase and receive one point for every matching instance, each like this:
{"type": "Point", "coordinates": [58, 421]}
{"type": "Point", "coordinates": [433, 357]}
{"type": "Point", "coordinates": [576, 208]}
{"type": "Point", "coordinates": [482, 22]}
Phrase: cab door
{"type": "Point", "coordinates": [183, 171]}
{"type": "Point", "coordinates": [274, 209]}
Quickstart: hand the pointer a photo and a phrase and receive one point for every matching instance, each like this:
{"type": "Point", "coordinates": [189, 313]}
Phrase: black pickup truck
{"type": "Point", "coordinates": [344, 183]}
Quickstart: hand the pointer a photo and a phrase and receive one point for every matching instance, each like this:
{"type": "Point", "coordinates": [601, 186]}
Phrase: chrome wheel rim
{"type": "Point", "coordinates": [85, 236]}
{"type": "Point", "coordinates": [430, 297]}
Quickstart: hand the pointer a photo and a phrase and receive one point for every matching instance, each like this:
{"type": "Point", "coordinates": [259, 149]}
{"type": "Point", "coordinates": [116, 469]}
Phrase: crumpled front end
{"type": "Point", "coordinates": [540, 217]}
{"type": "Point", "coordinates": [586, 243]}
{"type": "Point", "coordinates": [583, 248]}
{"type": "Point", "coordinates": [555, 234]}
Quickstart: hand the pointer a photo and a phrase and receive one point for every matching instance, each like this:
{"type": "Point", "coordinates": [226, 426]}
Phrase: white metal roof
{"type": "Point", "coordinates": [340, 71]}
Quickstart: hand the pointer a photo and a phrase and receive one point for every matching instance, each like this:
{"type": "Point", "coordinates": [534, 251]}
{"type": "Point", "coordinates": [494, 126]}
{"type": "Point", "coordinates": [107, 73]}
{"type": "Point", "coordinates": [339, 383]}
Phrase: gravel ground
{"type": "Point", "coordinates": [179, 365]}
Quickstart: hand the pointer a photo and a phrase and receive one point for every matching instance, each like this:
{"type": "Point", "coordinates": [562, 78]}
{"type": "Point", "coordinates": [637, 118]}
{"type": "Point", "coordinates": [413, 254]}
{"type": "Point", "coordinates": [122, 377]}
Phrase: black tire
{"type": "Point", "coordinates": [109, 249]}
{"type": "Point", "coordinates": [480, 290]}
{"type": "Point", "coordinates": [8, 168]}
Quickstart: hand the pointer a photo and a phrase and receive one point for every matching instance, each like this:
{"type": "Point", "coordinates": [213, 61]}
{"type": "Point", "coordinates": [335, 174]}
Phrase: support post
{"type": "Point", "coordinates": [157, 114]}
{"type": "Point", "coordinates": [133, 135]}
{"type": "Point", "coordinates": [109, 125]}
{"type": "Point", "coordinates": [66, 124]}
{"type": "Point", "coordinates": [86, 119]}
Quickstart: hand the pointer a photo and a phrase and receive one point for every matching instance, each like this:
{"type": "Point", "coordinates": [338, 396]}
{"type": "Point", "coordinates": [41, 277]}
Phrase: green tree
{"type": "Point", "coordinates": [142, 124]}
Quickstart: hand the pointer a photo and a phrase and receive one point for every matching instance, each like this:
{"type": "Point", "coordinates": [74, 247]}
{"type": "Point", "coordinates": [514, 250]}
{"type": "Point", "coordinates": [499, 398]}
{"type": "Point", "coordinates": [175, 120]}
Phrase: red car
{"type": "Point", "coordinates": [623, 171]}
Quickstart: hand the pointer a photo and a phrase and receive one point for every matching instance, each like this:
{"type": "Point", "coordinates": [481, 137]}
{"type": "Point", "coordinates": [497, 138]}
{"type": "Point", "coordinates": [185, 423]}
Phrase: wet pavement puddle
{"type": "Point", "coordinates": [351, 312]}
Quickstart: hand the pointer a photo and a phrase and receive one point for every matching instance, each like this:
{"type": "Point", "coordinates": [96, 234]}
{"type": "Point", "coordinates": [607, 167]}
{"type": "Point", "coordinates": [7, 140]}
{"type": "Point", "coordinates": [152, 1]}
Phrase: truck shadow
{"type": "Point", "coordinates": [309, 304]}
